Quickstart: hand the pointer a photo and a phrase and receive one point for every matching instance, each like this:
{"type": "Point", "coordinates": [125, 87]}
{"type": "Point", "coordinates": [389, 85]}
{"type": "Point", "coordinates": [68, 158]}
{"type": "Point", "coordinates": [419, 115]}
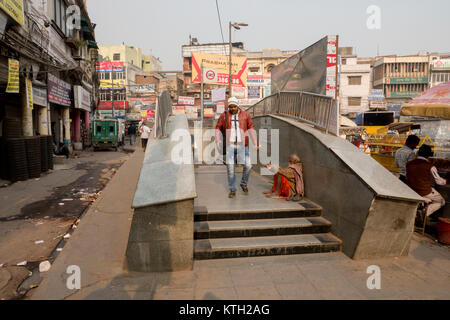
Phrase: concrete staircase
{"type": "Point", "coordinates": [248, 233]}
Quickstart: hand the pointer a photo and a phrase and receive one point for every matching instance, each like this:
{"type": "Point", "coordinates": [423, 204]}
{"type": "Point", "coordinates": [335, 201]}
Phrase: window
{"type": "Point", "coordinates": [116, 57]}
{"type": "Point", "coordinates": [99, 128]}
{"type": "Point", "coordinates": [254, 69]}
{"type": "Point", "coordinates": [111, 128]}
{"type": "Point", "coordinates": [354, 80]}
{"type": "Point", "coordinates": [354, 101]}
{"type": "Point", "coordinates": [59, 15]}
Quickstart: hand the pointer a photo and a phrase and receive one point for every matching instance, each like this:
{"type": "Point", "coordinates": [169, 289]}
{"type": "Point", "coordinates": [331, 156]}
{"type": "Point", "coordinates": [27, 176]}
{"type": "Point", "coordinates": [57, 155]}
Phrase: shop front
{"type": "Point", "coordinates": [80, 117]}
{"type": "Point", "coordinates": [60, 99]}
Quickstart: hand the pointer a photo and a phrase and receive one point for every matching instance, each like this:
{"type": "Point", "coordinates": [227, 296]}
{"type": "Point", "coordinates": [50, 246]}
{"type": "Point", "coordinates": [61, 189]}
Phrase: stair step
{"type": "Point", "coordinates": [305, 209]}
{"type": "Point", "coordinates": [260, 227]}
{"type": "Point", "coordinates": [265, 246]}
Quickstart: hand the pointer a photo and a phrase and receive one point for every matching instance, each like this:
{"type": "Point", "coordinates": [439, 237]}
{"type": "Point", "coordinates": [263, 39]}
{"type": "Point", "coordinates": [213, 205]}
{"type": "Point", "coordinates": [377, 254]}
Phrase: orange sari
{"type": "Point", "coordinates": [284, 189]}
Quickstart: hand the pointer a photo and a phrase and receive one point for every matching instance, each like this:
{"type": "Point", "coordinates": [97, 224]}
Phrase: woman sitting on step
{"type": "Point", "coordinates": [288, 181]}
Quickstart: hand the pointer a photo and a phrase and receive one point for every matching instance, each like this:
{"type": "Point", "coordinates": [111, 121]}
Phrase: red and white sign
{"type": "Point", "coordinates": [118, 105]}
{"type": "Point", "coordinates": [186, 100]}
{"type": "Point", "coordinates": [331, 66]}
{"type": "Point", "coordinates": [210, 75]}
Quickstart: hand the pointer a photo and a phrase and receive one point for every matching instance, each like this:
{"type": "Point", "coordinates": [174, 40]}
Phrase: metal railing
{"type": "Point", "coordinates": [315, 109]}
{"type": "Point", "coordinates": [162, 113]}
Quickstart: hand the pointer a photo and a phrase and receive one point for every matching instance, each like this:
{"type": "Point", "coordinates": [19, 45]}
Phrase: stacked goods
{"type": "Point", "coordinates": [44, 153]}
{"type": "Point", "coordinates": [3, 160]}
{"type": "Point", "coordinates": [33, 147]}
{"type": "Point", "coordinates": [12, 128]}
{"type": "Point", "coordinates": [50, 152]}
{"type": "Point", "coordinates": [17, 160]}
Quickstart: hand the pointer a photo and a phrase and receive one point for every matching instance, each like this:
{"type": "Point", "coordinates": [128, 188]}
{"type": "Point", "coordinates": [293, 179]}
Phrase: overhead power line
{"type": "Point", "coordinates": [220, 22]}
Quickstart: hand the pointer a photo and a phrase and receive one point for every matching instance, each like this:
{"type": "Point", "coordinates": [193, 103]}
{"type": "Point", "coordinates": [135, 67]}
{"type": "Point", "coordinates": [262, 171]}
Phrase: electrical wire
{"type": "Point", "coordinates": [220, 22]}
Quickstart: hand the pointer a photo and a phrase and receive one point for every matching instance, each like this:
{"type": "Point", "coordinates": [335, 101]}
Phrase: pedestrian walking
{"type": "Point", "coordinates": [132, 132]}
{"type": "Point", "coordinates": [145, 134]}
{"type": "Point", "coordinates": [237, 125]}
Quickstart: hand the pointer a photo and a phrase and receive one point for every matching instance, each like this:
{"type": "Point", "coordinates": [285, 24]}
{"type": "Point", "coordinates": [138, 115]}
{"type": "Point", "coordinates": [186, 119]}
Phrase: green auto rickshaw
{"type": "Point", "coordinates": [105, 134]}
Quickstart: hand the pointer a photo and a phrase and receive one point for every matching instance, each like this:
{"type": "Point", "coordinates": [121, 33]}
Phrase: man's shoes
{"type": "Point", "coordinates": [245, 189]}
{"type": "Point", "coordinates": [232, 194]}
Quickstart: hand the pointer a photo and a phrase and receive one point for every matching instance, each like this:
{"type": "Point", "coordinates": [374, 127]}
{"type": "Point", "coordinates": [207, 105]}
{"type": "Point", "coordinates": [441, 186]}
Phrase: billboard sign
{"type": "Point", "coordinates": [312, 69]}
{"type": "Point", "coordinates": [14, 9]}
{"type": "Point", "coordinates": [254, 92]}
{"type": "Point", "coordinates": [59, 91]}
{"type": "Point", "coordinates": [221, 64]}
{"type": "Point", "coordinates": [117, 66]}
{"type": "Point", "coordinates": [40, 96]}
{"type": "Point", "coordinates": [441, 64]}
{"type": "Point", "coordinates": [186, 100]}
{"type": "Point", "coordinates": [82, 98]}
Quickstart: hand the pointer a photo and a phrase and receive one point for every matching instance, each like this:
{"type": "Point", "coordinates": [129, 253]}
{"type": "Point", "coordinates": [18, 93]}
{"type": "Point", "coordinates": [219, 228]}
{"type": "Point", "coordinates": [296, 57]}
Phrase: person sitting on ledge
{"type": "Point", "coordinates": [288, 181]}
{"type": "Point", "coordinates": [422, 175]}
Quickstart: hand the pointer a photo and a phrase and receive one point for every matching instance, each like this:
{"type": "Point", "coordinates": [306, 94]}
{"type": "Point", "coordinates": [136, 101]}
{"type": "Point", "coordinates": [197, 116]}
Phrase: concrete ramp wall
{"type": "Point", "coordinates": [371, 210]}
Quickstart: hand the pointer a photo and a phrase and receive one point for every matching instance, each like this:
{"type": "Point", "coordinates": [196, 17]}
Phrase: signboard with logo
{"type": "Point", "coordinates": [120, 114]}
{"type": "Point", "coordinates": [219, 94]}
{"type": "Point", "coordinates": [117, 66]}
{"type": "Point", "coordinates": [404, 94]}
{"type": "Point", "coordinates": [59, 91]}
{"type": "Point", "coordinates": [238, 92]}
{"type": "Point", "coordinates": [29, 89]}
{"type": "Point", "coordinates": [441, 64]}
{"type": "Point", "coordinates": [13, 8]}
{"type": "Point", "coordinates": [403, 80]}
{"type": "Point", "coordinates": [13, 76]}
{"type": "Point", "coordinates": [210, 75]}
{"type": "Point", "coordinates": [113, 84]}
{"type": "Point", "coordinates": [118, 105]}
{"type": "Point", "coordinates": [144, 88]}
{"type": "Point", "coordinates": [254, 92]}
{"type": "Point", "coordinates": [40, 96]}
{"type": "Point", "coordinates": [82, 98]}
{"type": "Point", "coordinates": [143, 103]}
{"type": "Point", "coordinates": [186, 100]}
{"type": "Point", "coordinates": [221, 64]}
{"type": "Point", "coordinates": [331, 66]}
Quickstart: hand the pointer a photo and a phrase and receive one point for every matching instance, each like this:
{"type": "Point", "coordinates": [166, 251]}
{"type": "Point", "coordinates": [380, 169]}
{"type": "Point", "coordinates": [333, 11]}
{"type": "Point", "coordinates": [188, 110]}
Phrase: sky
{"type": "Point", "coordinates": [161, 27]}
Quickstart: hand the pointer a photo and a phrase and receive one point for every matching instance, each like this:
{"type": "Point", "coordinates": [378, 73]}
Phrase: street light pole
{"type": "Point", "coordinates": [236, 26]}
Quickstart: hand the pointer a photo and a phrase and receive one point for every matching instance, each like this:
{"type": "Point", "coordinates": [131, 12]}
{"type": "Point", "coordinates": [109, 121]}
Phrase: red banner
{"type": "Point", "coordinates": [118, 105]}
{"type": "Point", "coordinates": [109, 66]}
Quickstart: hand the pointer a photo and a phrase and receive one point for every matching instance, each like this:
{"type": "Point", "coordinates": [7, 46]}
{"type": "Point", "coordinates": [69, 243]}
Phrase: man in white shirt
{"type": "Point", "coordinates": [144, 130]}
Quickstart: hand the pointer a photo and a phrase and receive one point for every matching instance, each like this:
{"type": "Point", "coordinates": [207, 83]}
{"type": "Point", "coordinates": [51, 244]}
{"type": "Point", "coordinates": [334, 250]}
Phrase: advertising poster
{"type": "Point", "coordinates": [29, 88]}
{"type": "Point", "coordinates": [186, 100]}
{"type": "Point", "coordinates": [59, 91]}
{"type": "Point", "coordinates": [254, 92]}
{"type": "Point", "coordinates": [238, 92]}
{"type": "Point", "coordinates": [13, 76]}
{"type": "Point", "coordinates": [40, 96]}
{"type": "Point", "coordinates": [221, 64]}
{"type": "Point", "coordinates": [13, 8]}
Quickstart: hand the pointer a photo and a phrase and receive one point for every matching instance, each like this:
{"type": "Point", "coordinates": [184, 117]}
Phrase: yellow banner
{"type": "Point", "coordinates": [220, 64]}
{"type": "Point", "coordinates": [13, 8]}
{"type": "Point", "coordinates": [13, 76]}
{"type": "Point", "coordinates": [107, 84]}
{"type": "Point", "coordinates": [29, 87]}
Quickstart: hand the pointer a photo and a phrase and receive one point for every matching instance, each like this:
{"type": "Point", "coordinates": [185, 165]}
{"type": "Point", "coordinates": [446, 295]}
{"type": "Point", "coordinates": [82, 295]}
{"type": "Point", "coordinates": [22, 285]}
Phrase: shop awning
{"type": "Point", "coordinates": [435, 102]}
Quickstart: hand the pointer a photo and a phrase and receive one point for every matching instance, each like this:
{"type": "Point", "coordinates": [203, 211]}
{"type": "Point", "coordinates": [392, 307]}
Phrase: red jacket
{"type": "Point", "coordinates": [245, 124]}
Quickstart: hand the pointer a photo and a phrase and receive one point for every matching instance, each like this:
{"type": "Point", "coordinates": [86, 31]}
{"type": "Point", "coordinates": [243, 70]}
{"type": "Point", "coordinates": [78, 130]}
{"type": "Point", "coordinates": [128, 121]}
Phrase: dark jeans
{"type": "Point", "coordinates": [144, 143]}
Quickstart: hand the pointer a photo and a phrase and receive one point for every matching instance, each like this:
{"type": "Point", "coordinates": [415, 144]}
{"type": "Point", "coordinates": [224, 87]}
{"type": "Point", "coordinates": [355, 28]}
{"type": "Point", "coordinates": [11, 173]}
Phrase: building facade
{"type": "Point", "coordinates": [56, 62]}
{"type": "Point", "coordinates": [401, 78]}
{"type": "Point", "coordinates": [440, 69]}
{"type": "Point", "coordinates": [131, 55]}
{"type": "Point", "coordinates": [355, 83]}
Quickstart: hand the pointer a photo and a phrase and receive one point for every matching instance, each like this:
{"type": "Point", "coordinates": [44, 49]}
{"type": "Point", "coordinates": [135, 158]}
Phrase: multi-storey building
{"type": "Point", "coordinates": [401, 78]}
{"type": "Point", "coordinates": [58, 59]}
{"type": "Point", "coordinates": [354, 83]}
{"type": "Point", "coordinates": [131, 55]}
{"type": "Point", "coordinates": [440, 69]}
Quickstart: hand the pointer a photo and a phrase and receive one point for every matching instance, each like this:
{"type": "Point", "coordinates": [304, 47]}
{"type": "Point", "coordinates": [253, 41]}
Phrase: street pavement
{"type": "Point", "coordinates": [37, 213]}
{"type": "Point", "coordinates": [98, 248]}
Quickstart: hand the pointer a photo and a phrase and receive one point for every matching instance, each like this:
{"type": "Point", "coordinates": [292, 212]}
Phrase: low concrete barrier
{"type": "Point", "coordinates": [162, 230]}
{"type": "Point", "coordinates": [371, 210]}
